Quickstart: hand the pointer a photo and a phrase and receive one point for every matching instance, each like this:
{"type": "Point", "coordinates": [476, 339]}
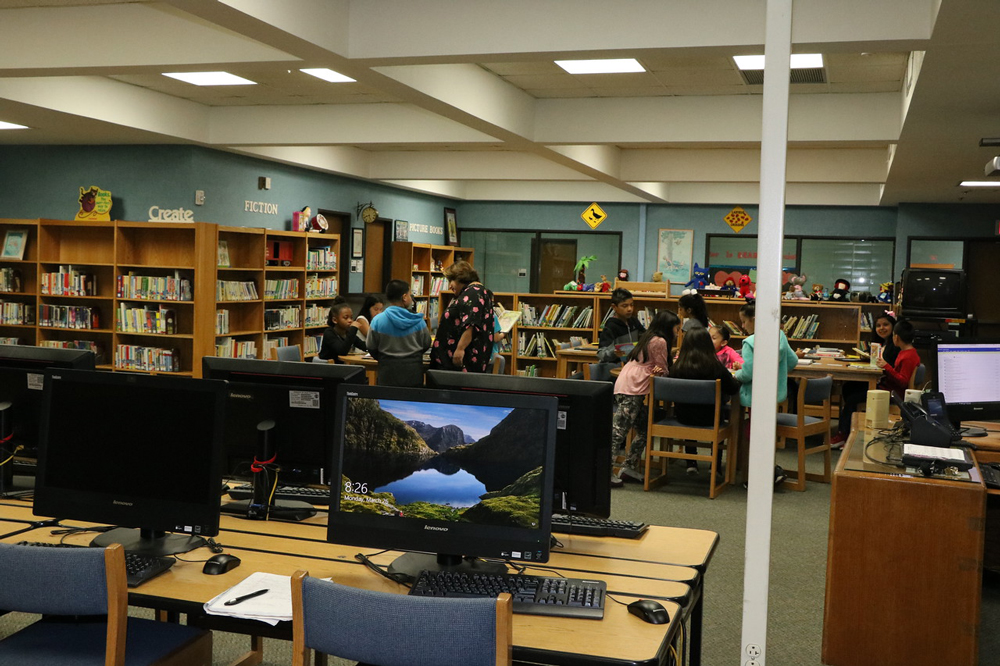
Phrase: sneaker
{"type": "Point", "coordinates": [779, 476]}
{"type": "Point", "coordinates": [837, 441]}
{"type": "Point", "coordinates": [629, 475]}
{"type": "Point", "coordinates": [616, 481]}
{"type": "Point", "coordinates": [692, 468]}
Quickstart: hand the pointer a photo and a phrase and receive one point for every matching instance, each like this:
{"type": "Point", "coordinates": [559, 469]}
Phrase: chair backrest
{"type": "Point", "coordinates": [499, 363]}
{"type": "Point", "coordinates": [395, 629]}
{"type": "Point", "coordinates": [690, 391]}
{"type": "Point", "coordinates": [600, 372]}
{"type": "Point", "coordinates": [817, 390]}
{"type": "Point", "coordinates": [68, 581]}
{"type": "Point", "coordinates": [287, 353]}
{"type": "Point", "coordinates": [918, 377]}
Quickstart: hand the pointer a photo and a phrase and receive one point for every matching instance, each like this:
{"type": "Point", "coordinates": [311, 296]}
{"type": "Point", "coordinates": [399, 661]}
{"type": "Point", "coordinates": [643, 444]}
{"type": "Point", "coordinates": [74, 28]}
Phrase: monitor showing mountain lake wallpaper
{"type": "Point", "coordinates": [441, 461]}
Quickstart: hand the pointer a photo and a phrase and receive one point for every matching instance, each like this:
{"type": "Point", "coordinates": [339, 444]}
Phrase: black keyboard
{"type": "Point", "coordinates": [597, 526]}
{"type": "Point", "coordinates": [321, 496]}
{"type": "Point", "coordinates": [138, 568]}
{"type": "Point", "coordinates": [990, 474]}
{"type": "Point", "coordinates": [532, 595]}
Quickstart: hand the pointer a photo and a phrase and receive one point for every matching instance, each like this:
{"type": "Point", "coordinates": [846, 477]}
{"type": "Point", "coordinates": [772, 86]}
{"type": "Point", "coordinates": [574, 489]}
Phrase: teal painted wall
{"type": "Point", "coordinates": [943, 221]}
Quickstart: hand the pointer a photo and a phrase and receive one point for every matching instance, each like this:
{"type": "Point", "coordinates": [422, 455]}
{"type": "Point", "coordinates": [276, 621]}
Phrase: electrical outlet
{"type": "Point", "coordinates": [752, 662]}
{"type": "Point", "coordinates": [199, 197]}
{"type": "Point", "coordinates": [753, 651]}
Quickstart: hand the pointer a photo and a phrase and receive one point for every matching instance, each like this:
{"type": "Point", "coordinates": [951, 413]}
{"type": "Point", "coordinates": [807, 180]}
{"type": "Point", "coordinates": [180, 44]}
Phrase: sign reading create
{"type": "Point", "coordinates": [95, 205]}
{"type": "Point", "coordinates": [593, 216]}
{"type": "Point", "coordinates": [737, 219]}
{"type": "Point", "coordinates": [261, 207]}
{"type": "Point", "coordinates": [157, 214]}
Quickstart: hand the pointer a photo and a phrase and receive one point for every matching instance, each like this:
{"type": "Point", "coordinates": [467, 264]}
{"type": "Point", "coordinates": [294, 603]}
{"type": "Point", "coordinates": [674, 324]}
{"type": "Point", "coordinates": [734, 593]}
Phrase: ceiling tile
{"type": "Point", "coordinates": [523, 68]}
{"type": "Point", "coordinates": [543, 82]}
{"type": "Point", "coordinates": [687, 76]}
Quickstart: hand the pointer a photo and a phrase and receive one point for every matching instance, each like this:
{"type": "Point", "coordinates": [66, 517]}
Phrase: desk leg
{"type": "Point", "coordinates": [697, 619]}
{"type": "Point", "coordinates": [562, 367]}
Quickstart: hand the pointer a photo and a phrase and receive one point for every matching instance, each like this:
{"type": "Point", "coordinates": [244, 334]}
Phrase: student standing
{"type": "Point", "coordinates": [398, 339]}
{"type": "Point", "coordinates": [621, 327]}
{"type": "Point", "coordinates": [464, 339]}
{"type": "Point", "coordinates": [650, 356]}
{"type": "Point", "coordinates": [343, 333]}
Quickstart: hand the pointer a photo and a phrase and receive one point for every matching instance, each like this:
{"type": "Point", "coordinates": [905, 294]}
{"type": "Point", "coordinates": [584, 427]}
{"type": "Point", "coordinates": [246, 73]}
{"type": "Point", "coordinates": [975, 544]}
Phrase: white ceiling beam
{"type": "Point", "coordinates": [607, 159]}
{"type": "Point", "coordinates": [342, 160]}
{"type": "Point", "coordinates": [325, 23]}
{"type": "Point", "coordinates": [441, 188]}
{"type": "Point", "coordinates": [814, 194]}
{"type": "Point", "coordinates": [548, 191]}
{"type": "Point", "coordinates": [467, 165]}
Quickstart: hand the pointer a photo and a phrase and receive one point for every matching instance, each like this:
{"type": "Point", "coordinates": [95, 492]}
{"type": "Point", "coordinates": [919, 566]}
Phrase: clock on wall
{"type": "Point", "coordinates": [369, 214]}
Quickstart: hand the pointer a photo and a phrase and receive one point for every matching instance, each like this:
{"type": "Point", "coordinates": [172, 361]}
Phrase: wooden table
{"type": "Point", "coordinates": [370, 365]}
{"type": "Point", "coordinates": [903, 579]}
{"type": "Point", "coordinates": [840, 371]}
{"type": "Point", "coordinates": [989, 452]}
{"type": "Point", "coordinates": [666, 564]}
{"type": "Point", "coordinates": [577, 356]}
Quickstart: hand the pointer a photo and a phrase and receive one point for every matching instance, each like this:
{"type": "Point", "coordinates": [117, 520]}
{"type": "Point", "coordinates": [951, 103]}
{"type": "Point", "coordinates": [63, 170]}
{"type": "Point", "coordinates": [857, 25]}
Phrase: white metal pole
{"type": "Point", "coordinates": [774, 139]}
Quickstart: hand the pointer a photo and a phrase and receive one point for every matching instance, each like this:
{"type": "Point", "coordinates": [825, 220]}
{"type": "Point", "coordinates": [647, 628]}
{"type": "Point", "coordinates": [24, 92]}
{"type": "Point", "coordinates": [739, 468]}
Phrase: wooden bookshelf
{"type": "Point", "coordinates": [19, 293]}
{"type": "Point", "coordinates": [238, 329]}
{"type": "Point", "coordinates": [422, 265]}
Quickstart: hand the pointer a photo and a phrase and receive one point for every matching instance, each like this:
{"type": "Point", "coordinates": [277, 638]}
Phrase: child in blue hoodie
{"type": "Point", "coordinates": [398, 339]}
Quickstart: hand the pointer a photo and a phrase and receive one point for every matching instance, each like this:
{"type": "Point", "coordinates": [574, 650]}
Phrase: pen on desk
{"type": "Point", "coordinates": [237, 600]}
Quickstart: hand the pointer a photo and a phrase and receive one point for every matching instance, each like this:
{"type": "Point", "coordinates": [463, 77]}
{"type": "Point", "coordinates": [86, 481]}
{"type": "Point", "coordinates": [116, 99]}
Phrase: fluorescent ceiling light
{"type": "Point", "coordinates": [6, 126]}
{"type": "Point", "coordinates": [979, 183]}
{"type": "Point", "coordinates": [328, 75]}
{"type": "Point", "coordinates": [610, 66]}
{"type": "Point", "coordinates": [799, 61]}
{"type": "Point", "coordinates": [211, 78]}
{"type": "Point", "coordinates": [987, 142]}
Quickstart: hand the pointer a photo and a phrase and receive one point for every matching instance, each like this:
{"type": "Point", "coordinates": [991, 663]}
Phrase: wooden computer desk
{"type": "Point", "coordinates": [632, 569]}
{"type": "Point", "coordinates": [903, 578]}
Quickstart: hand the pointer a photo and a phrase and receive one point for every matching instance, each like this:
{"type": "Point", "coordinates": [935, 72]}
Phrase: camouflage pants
{"type": "Point", "coordinates": [630, 412]}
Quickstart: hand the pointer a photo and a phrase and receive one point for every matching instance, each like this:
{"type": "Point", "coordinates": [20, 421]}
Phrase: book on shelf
{"type": "Point", "coordinates": [10, 280]}
{"type": "Point", "coordinates": [155, 320]}
{"type": "Point", "coordinates": [573, 342]}
{"type": "Point", "coordinates": [311, 344]}
{"type": "Point", "coordinates": [13, 341]}
{"type": "Point", "coordinates": [17, 314]}
{"type": "Point", "coordinates": [221, 322]}
{"type": "Point", "coordinates": [320, 287]}
{"type": "Point", "coordinates": [235, 290]}
{"type": "Point", "coordinates": [506, 318]}
{"type": "Point", "coordinates": [316, 315]}
{"type": "Point", "coordinates": [87, 345]}
{"type": "Point", "coordinates": [321, 259]}
{"type": "Point", "coordinates": [276, 290]}
{"type": "Point", "coordinates": [68, 281]}
{"type": "Point", "coordinates": [231, 348]}
{"type": "Point", "coordinates": [68, 316]}
{"type": "Point", "coordinates": [222, 260]}
{"type": "Point", "coordinates": [733, 327]}
{"type": "Point", "coordinates": [154, 287]}
{"type": "Point", "coordinates": [276, 319]}
{"type": "Point", "coordinates": [437, 285]}
{"type": "Point", "coordinates": [529, 371]}
{"type": "Point", "coordinates": [149, 359]}
{"type": "Point", "coordinates": [584, 318]}
{"type": "Point", "coordinates": [417, 286]}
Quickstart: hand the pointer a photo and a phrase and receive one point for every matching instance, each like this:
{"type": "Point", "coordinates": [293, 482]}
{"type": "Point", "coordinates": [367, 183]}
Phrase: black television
{"type": "Point", "coordinates": [582, 468]}
{"type": "Point", "coordinates": [457, 476]}
{"type": "Point", "coordinates": [22, 385]}
{"type": "Point", "coordinates": [142, 452]}
{"type": "Point", "coordinates": [280, 418]}
{"type": "Point", "coordinates": [967, 374]}
{"type": "Point", "coordinates": [933, 293]}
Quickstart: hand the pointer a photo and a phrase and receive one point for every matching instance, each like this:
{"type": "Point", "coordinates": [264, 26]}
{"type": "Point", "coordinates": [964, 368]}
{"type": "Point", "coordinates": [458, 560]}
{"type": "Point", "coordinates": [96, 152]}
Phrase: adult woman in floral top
{"type": "Point", "coordinates": [464, 339]}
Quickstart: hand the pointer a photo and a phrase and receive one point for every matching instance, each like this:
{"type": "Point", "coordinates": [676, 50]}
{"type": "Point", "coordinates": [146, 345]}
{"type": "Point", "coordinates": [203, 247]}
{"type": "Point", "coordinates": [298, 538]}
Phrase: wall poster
{"type": "Point", "coordinates": [674, 249]}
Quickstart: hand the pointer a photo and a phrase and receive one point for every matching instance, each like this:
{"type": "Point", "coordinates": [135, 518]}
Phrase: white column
{"type": "Point", "coordinates": [774, 138]}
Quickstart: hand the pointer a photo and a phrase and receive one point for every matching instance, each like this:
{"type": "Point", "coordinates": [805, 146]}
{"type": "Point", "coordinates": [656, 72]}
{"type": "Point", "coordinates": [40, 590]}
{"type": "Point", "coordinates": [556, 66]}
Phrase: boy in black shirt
{"type": "Point", "coordinates": [621, 327]}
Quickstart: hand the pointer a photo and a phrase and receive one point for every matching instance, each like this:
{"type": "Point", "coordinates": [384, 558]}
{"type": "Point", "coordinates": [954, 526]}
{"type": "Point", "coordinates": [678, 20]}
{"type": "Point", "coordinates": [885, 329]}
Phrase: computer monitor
{"type": "Point", "coordinates": [281, 414]}
{"type": "Point", "coordinates": [582, 468]}
{"type": "Point", "coordinates": [933, 292]}
{"type": "Point", "coordinates": [967, 374]}
{"type": "Point", "coordinates": [22, 385]}
{"type": "Point", "coordinates": [136, 451]}
{"type": "Point", "coordinates": [456, 475]}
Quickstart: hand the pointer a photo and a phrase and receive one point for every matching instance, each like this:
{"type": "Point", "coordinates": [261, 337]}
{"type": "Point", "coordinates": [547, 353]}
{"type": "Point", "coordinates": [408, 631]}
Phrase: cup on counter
{"type": "Point", "coordinates": [876, 353]}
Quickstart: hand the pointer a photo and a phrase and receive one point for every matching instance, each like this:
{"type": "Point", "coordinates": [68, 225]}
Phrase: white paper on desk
{"type": "Point", "coordinates": [272, 607]}
{"type": "Point", "coordinates": [805, 361]}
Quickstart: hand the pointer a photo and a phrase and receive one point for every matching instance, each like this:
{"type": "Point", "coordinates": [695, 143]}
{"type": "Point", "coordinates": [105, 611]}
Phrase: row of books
{"type": "Point", "coordinates": [317, 287]}
{"type": "Point", "coordinates": [13, 341]}
{"type": "Point", "coordinates": [235, 290]}
{"type": "Point", "coordinates": [88, 345]}
{"type": "Point", "coordinates": [321, 259]}
{"type": "Point", "coordinates": [557, 315]}
{"type": "Point", "coordinates": [10, 280]}
{"type": "Point", "coordinates": [733, 327]}
{"type": "Point", "coordinates": [68, 281]}
{"type": "Point", "coordinates": [803, 328]}
{"type": "Point", "coordinates": [281, 289]}
{"type": "Point", "coordinates": [17, 314]}
{"type": "Point", "coordinates": [277, 319]}
{"type": "Point", "coordinates": [155, 359]}
{"type": "Point", "coordinates": [535, 344]}
{"type": "Point", "coordinates": [867, 321]}
{"type": "Point", "coordinates": [68, 316]}
{"type": "Point", "coordinates": [153, 320]}
{"type": "Point", "coordinates": [154, 287]}
{"type": "Point", "coordinates": [529, 371]}
{"type": "Point", "coordinates": [221, 322]}
{"type": "Point", "coordinates": [434, 313]}
{"type": "Point", "coordinates": [311, 344]}
{"type": "Point", "coordinates": [316, 315]}
{"type": "Point", "coordinates": [231, 348]}
{"type": "Point", "coordinates": [437, 285]}
{"type": "Point", "coordinates": [417, 286]}
{"type": "Point", "coordinates": [274, 343]}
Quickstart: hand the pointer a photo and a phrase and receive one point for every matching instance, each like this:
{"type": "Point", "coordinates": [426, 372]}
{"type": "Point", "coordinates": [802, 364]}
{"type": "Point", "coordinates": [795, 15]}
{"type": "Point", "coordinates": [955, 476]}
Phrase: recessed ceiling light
{"type": "Point", "coordinates": [799, 61]}
{"type": "Point", "coordinates": [979, 183]}
{"type": "Point", "coordinates": [328, 75]}
{"type": "Point", "coordinates": [608, 66]}
{"type": "Point", "coordinates": [211, 78]}
{"type": "Point", "coordinates": [6, 126]}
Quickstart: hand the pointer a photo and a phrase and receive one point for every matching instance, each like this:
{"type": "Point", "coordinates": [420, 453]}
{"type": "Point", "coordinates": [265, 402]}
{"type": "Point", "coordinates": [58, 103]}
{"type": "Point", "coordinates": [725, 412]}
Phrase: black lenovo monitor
{"type": "Point", "coordinates": [280, 418]}
{"type": "Point", "coordinates": [582, 469]}
{"type": "Point", "coordinates": [22, 386]}
{"type": "Point", "coordinates": [456, 476]}
{"type": "Point", "coordinates": [967, 375]}
{"type": "Point", "coordinates": [134, 451]}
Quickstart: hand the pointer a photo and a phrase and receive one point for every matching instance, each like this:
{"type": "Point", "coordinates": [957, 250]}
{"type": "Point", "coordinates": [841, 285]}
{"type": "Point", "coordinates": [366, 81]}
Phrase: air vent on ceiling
{"type": "Point", "coordinates": [755, 77]}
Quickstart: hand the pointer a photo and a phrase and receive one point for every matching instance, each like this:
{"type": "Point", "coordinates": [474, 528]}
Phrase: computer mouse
{"type": "Point", "coordinates": [220, 564]}
{"type": "Point", "coordinates": [650, 611]}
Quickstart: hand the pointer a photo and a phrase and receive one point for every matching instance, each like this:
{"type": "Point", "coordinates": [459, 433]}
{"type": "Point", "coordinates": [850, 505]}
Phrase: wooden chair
{"type": "Point", "coordinates": [86, 582]}
{"type": "Point", "coordinates": [666, 391]}
{"type": "Point", "coordinates": [919, 377]}
{"type": "Point", "coordinates": [812, 417]}
{"type": "Point", "coordinates": [499, 364]}
{"type": "Point", "coordinates": [287, 353]}
{"type": "Point", "coordinates": [396, 629]}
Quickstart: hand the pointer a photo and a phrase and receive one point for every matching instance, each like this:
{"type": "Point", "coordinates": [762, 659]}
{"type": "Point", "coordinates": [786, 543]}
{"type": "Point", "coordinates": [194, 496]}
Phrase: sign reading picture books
{"type": "Point", "coordinates": [95, 205]}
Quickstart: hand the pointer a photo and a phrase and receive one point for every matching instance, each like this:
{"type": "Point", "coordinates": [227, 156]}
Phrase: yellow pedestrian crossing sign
{"type": "Point", "coordinates": [593, 215]}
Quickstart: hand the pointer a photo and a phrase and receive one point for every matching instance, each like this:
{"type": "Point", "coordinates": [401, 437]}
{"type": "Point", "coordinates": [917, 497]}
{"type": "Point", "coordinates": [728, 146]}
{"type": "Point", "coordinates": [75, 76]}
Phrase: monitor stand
{"type": "Point", "coordinates": [148, 542]}
{"type": "Point", "coordinates": [410, 564]}
{"type": "Point", "coordinates": [971, 431]}
{"type": "Point", "coordinates": [260, 506]}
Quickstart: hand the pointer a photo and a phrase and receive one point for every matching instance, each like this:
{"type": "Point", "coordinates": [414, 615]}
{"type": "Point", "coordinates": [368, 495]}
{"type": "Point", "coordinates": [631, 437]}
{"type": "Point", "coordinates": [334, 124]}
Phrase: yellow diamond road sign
{"type": "Point", "coordinates": [593, 215]}
{"type": "Point", "coordinates": [737, 219]}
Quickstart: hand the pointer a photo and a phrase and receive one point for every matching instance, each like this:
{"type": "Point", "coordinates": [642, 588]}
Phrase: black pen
{"type": "Point", "coordinates": [238, 600]}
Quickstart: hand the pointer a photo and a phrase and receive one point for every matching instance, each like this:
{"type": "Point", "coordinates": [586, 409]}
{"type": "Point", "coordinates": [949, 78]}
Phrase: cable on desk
{"type": "Point", "coordinates": [16, 448]}
{"type": "Point", "coordinates": [384, 572]}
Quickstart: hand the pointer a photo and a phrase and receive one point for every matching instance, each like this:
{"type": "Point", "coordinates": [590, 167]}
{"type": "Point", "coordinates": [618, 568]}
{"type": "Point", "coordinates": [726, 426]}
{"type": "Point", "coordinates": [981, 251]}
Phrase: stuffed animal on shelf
{"type": "Point", "coordinates": [885, 293]}
{"type": "Point", "coordinates": [746, 287]}
{"type": "Point", "coordinates": [699, 278]}
{"type": "Point", "coordinates": [817, 293]}
{"type": "Point", "coordinates": [571, 286]}
{"type": "Point", "coordinates": [587, 287]}
{"type": "Point", "coordinates": [729, 285]}
{"type": "Point", "coordinates": [623, 274]}
{"type": "Point", "coordinates": [603, 285]}
{"type": "Point", "coordinates": [658, 276]}
{"type": "Point", "coordinates": [841, 291]}
{"type": "Point", "coordinates": [796, 293]}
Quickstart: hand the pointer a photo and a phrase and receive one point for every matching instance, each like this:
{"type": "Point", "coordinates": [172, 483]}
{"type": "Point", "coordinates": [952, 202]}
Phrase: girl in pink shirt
{"type": "Point", "coordinates": [649, 357]}
{"type": "Point", "coordinates": [728, 356]}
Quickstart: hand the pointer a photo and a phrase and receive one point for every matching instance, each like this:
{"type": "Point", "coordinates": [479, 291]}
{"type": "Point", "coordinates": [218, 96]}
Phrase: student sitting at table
{"type": "Point", "coordinates": [342, 334]}
{"type": "Point", "coordinates": [727, 356]}
{"type": "Point", "coordinates": [398, 339]}
{"type": "Point", "coordinates": [895, 378]}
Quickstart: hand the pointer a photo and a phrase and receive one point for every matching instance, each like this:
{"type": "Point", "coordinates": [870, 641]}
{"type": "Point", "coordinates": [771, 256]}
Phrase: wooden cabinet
{"type": "Point", "coordinates": [422, 265]}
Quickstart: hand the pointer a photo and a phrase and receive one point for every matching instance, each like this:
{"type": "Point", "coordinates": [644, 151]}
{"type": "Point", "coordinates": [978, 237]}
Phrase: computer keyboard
{"type": "Point", "coordinates": [138, 568]}
{"type": "Point", "coordinates": [990, 474]}
{"type": "Point", "coordinates": [532, 595]}
{"type": "Point", "coordinates": [244, 491]}
{"type": "Point", "coordinates": [597, 526]}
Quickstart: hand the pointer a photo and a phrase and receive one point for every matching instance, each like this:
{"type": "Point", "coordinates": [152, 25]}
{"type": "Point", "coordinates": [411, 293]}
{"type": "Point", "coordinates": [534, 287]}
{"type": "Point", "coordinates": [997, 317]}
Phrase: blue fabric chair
{"type": "Point", "coordinates": [919, 377]}
{"type": "Point", "coordinates": [394, 629]}
{"type": "Point", "coordinates": [287, 353]}
{"type": "Point", "coordinates": [600, 372]}
{"type": "Point", "coordinates": [812, 417]}
{"type": "Point", "coordinates": [86, 582]}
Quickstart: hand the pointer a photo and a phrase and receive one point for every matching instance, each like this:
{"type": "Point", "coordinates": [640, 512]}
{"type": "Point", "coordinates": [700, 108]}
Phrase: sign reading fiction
{"type": "Point", "coordinates": [261, 207]}
{"type": "Point", "coordinates": [157, 214]}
